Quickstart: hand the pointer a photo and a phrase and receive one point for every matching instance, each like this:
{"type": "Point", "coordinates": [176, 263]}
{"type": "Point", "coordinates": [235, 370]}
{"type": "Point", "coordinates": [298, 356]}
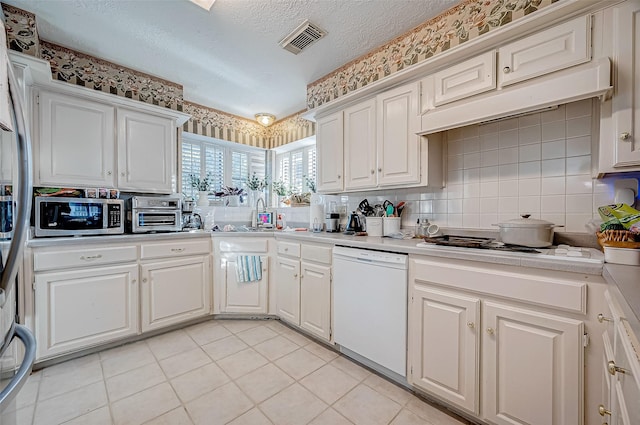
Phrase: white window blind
{"type": "Point", "coordinates": [227, 165]}
{"type": "Point", "coordinates": [294, 166]}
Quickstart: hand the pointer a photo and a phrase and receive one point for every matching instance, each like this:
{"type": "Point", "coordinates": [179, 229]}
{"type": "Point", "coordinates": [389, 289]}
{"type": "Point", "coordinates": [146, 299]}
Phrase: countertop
{"type": "Point", "coordinates": [125, 238]}
{"type": "Point", "coordinates": [624, 284]}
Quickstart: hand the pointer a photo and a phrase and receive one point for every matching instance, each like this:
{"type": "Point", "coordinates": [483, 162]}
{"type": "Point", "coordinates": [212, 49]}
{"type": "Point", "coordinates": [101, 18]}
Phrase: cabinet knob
{"type": "Point", "coordinates": [133, 281]}
{"type": "Point", "coordinates": [373, 171]}
{"type": "Point", "coordinates": [380, 170]}
{"type": "Point", "coordinates": [602, 411]}
{"type": "Point", "coordinates": [602, 318]}
{"type": "Point", "coordinates": [301, 276]}
{"type": "Point", "coordinates": [339, 176]}
{"type": "Point", "coordinates": [471, 325]}
{"type": "Point", "coordinates": [295, 275]}
{"type": "Point", "coordinates": [108, 173]}
{"type": "Point", "coordinates": [506, 70]}
{"type": "Point", "coordinates": [612, 368]}
{"type": "Point", "coordinates": [286, 249]}
{"type": "Point", "coordinates": [490, 331]}
{"type": "Point", "coordinates": [144, 280]}
{"type": "Point", "coordinates": [625, 136]}
{"type": "Point", "coordinates": [122, 174]}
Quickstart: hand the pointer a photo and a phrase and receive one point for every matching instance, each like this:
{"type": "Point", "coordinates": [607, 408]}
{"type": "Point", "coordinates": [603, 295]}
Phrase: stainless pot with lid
{"type": "Point", "coordinates": [527, 231]}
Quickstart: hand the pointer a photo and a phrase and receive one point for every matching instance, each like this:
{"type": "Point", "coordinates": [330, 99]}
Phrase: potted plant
{"type": "Point", "coordinates": [280, 189]}
{"type": "Point", "coordinates": [203, 186]}
{"type": "Point", "coordinates": [256, 185]}
{"type": "Point", "coordinates": [232, 194]}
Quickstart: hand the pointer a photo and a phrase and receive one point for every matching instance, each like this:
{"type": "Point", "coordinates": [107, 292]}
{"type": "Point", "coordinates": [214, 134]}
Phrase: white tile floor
{"type": "Point", "coordinates": [236, 372]}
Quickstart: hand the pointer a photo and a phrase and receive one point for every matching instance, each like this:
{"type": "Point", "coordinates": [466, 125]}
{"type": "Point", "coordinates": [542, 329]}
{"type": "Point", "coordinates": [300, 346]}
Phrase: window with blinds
{"type": "Point", "coordinates": [226, 165]}
{"type": "Point", "coordinates": [294, 167]}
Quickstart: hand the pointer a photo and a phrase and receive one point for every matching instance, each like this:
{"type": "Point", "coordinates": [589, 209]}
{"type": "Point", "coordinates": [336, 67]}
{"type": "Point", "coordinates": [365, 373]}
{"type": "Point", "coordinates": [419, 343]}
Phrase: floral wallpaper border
{"type": "Point", "coordinates": [22, 34]}
{"type": "Point", "coordinates": [457, 25]}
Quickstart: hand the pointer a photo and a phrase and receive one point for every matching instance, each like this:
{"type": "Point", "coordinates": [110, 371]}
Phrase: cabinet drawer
{"type": "Point", "coordinates": [244, 245]}
{"type": "Point", "coordinates": [316, 253]}
{"type": "Point", "coordinates": [81, 257]}
{"type": "Point", "coordinates": [289, 248]}
{"type": "Point", "coordinates": [625, 350]}
{"type": "Point", "coordinates": [556, 48]}
{"type": "Point", "coordinates": [174, 248]}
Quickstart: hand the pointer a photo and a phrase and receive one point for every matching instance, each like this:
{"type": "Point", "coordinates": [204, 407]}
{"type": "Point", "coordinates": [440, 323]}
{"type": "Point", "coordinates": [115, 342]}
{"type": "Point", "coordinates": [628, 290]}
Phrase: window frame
{"type": "Point", "coordinates": [302, 146]}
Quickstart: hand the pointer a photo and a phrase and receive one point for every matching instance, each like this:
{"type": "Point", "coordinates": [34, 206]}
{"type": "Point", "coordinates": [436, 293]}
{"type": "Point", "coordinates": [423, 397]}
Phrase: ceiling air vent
{"type": "Point", "coordinates": [302, 37]}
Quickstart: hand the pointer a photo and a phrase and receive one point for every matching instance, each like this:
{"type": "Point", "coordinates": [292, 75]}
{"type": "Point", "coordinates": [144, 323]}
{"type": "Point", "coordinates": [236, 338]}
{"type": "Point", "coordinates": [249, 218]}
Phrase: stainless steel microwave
{"type": "Point", "coordinates": [78, 216]}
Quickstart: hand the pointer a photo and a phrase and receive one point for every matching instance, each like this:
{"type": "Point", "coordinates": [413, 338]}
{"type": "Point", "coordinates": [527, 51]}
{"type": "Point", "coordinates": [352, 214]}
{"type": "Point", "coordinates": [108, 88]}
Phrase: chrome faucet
{"type": "Point", "coordinates": [257, 224]}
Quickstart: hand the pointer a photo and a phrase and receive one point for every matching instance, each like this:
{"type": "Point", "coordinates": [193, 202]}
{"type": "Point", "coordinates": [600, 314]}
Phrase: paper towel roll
{"type": "Point", "coordinates": [316, 215]}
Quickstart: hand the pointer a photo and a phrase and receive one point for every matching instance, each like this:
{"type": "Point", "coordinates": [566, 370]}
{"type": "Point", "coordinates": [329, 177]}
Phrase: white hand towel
{"type": "Point", "coordinates": [248, 268]}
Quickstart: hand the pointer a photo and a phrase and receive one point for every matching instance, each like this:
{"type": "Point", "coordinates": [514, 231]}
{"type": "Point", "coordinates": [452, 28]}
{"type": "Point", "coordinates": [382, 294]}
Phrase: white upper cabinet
{"type": "Point", "coordinates": [329, 151]}
{"type": "Point", "coordinates": [360, 145]}
{"type": "Point", "coordinates": [75, 141]}
{"type": "Point", "coordinates": [473, 76]}
{"type": "Point", "coordinates": [620, 127]}
{"type": "Point", "coordinates": [146, 152]}
{"type": "Point", "coordinates": [546, 51]}
{"type": "Point", "coordinates": [398, 146]}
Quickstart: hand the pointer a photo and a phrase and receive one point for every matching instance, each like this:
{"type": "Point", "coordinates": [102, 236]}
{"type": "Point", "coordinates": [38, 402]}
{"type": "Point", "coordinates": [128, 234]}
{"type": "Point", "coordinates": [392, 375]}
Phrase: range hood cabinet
{"type": "Point", "coordinates": [580, 82]}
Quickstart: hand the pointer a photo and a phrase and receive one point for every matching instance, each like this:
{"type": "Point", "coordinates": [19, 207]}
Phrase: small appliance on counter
{"type": "Point", "coordinates": [332, 222]}
{"type": "Point", "coordinates": [147, 214]}
{"type": "Point", "coordinates": [354, 224]}
{"type": "Point", "coordinates": [59, 216]}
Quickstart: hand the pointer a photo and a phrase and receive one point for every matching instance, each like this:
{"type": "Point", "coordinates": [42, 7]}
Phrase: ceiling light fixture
{"type": "Point", "coordinates": [265, 119]}
{"type": "Point", "coordinates": [205, 4]}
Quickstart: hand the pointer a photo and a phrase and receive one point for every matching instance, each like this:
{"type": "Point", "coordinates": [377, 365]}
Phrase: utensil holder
{"type": "Point", "coordinates": [374, 226]}
{"type": "Point", "coordinates": [390, 225]}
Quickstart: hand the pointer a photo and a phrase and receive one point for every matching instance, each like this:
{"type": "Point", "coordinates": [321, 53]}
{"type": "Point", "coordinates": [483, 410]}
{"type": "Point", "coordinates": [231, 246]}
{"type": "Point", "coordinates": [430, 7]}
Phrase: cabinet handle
{"type": "Point", "coordinates": [506, 70]}
{"type": "Point", "coordinates": [471, 325]}
{"type": "Point", "coordinates": [602, 411]}
{"type": "Point", "coordinates": [612, 368]}
{"type": "Point", "coordinates": [90, 257]}
{"type": "Point", "coordinates": [490, 331]}
{"type": "Point", "coordinates": [625, 136]}
{"type": "Point", "coordinates": [602, 318]}
{"type": "Point", "coordinates": [177, 249]}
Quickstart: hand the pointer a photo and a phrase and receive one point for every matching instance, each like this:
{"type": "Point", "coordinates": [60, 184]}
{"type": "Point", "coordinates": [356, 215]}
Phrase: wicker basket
{"type": "Point", "coordinates": [618, 238]}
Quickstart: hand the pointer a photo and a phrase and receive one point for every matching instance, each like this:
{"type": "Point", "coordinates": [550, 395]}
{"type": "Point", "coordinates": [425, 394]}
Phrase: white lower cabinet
{"type": "Point", "coordinates": [304, 287]}
{"type": "Point", "coordinates": [243, 297]}
{"type": "Point", "coordinates": [173, 291]}
{"type": "Point", "coordinates": [78, 309]}
{"type": "Point", "coordinates": [499, 361]}
{"type": "Point", "coordinates": [230, 295]}
{"type": "Point", "coordinates": [445, 359]}
{"type": "Point", "coordinates": [528, 353]}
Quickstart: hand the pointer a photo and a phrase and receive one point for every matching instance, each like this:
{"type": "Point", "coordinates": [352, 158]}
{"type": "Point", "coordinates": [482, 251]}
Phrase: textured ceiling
{"type": "Point", "coordinates": [229, 58]}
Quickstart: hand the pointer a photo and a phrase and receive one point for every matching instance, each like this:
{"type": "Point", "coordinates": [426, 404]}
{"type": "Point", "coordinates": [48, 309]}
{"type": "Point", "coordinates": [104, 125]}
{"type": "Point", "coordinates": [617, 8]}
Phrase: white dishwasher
{"type": "Point", "coordinates": [370, 307]}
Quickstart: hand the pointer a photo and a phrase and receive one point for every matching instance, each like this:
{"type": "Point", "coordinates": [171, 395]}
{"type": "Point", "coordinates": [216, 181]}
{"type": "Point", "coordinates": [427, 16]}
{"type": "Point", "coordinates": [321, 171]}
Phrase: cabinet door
{"type": "Point", "coordinates": [398, 146]}
{"type": "Point", "coordinates": [174, 291]}
{"type": "Point", "coordinates": [473, 76]}
{"type": "Point", "coordinates": [626, 101]}
{"type": "Point", "coordinates": [444, 345]}
{"type": "Point", "coordinates": [315, 299]}
{"type": "Point", "coordinates": [329, 151]}
{"type": "Point", "coordinates": [82, 308]}
{"type": "Point", "coordinates": [288, 289]}
{"type": "Point", "coordinates": [243, 297]}
{"type": "Point", "coordinates": [146, 152]}
{"type": "Point", "coordinates": [532, 368]}
{"type": "Point", "coordinates": [75, 142]}
{"type": "Point", "coordinates": [546, 51]}
{"type": "Point", "coordinates": [360, 146]}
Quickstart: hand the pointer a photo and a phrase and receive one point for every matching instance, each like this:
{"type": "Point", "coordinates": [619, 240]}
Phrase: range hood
{"type": "Point", "coordinates": [579, 82]}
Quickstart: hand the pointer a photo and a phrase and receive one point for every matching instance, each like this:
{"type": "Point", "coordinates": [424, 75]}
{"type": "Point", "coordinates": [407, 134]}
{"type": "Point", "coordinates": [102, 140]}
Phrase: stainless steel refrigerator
{"type": "Point", "coordinates": [17, 344]}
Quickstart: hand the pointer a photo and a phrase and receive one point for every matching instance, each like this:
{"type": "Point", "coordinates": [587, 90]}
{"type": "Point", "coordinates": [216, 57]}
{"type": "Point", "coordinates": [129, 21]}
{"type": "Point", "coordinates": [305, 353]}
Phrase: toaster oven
{"type": "Point", "coordinates": [147, 214]}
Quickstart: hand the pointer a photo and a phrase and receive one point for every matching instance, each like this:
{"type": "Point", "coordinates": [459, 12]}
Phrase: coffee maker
{"type": "Point", "coordinates": [190, 220]}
